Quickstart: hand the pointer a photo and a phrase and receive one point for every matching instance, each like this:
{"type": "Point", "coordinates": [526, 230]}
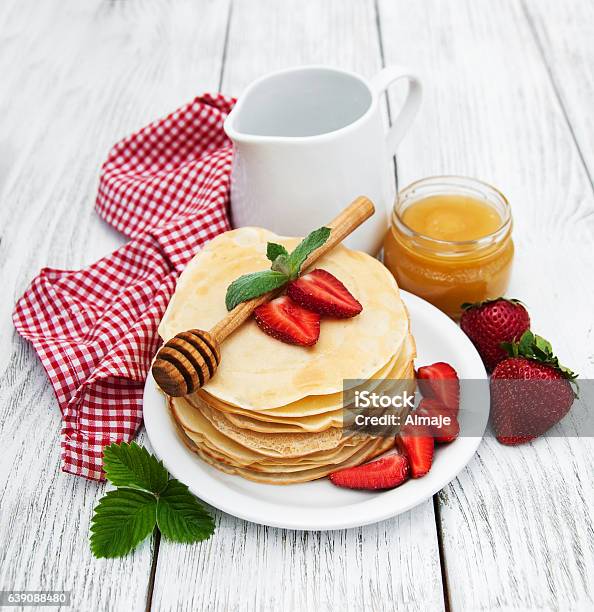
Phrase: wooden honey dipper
{"type": "Point", "coordinates": [189, 360]}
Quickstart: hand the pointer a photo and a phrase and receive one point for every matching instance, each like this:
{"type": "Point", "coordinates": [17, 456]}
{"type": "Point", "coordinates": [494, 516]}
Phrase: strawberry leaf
{"type": "Point", "coordinates": [130, 465]}
{"type": "Point", "coordinates": [537, 348]}
{"type": "Point", "coordinates": [125, 517]}
{"type": "Point", "coordinates": [181, 517]}
{"type": "Point", "coordinates": [511, 348]}
{"type": "Point", "coordinates": [469, 305]}
{"type": "Point", "coordinates": [273, 251]}
{"type": "Point", "coordinates": [252, 285]}
{"type": "Point", "coordinates": [542, 345]}
{"type": "Point", "coordinates": [526, 343]}
{"type": "Point", "coordinates": [122, 519]}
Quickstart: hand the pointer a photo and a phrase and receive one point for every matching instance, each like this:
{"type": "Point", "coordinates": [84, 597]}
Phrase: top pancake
{"type": "Point", "coordinates": [258, 372]}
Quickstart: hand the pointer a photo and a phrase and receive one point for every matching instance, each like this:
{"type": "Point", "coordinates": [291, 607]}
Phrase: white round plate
{"type": "Point", "coordinates": [319, 504]}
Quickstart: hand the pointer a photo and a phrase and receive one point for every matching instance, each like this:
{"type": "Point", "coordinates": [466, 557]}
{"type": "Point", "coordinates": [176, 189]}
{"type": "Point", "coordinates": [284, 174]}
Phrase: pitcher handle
{"type": "Point", "coordinates": [400, 124]}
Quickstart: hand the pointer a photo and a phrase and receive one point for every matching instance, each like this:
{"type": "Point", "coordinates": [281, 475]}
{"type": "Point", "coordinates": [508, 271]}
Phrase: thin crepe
{"type": "Point", "coordinates": [366, 453]}
{"type": "Point", "coordinates": [231, 452]}
{"type": "Point", "coordinates": [257, 421]}
{"type": "Point", "coordinates": [315, 412]}
{"type": "Point", "coordinates": [213, 427]}
{"type": "Point", "coordinates": [257, 372]}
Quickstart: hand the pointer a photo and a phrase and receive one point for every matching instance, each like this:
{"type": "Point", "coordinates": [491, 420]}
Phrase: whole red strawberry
{"type": "Point", "coordinates": [530, 391]}
{"type": "Point", "coordinates": [490, 323]}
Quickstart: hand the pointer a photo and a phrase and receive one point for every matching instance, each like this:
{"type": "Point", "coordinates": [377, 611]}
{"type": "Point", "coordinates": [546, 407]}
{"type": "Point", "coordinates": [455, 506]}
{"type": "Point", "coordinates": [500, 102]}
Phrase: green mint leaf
{"type": "Point", "coordinates": [281, 264]}
{"type": "Point", "coordinates": [181, 517]}
{"type": "Point", "coordinates": [273, 250]}
{"type": "Point", "coordinates": [252, 285]}
{"type": "Point", "coordinates": [122, 519]}
{"type": "Point", "coordinates": [130, 465]}
{"type": "Point", "coordinates": [310, 243]}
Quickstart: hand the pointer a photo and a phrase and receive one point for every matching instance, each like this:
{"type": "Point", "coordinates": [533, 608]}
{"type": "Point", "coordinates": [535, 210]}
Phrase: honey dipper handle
{"type": "Point", "coordinates": [358, 211]}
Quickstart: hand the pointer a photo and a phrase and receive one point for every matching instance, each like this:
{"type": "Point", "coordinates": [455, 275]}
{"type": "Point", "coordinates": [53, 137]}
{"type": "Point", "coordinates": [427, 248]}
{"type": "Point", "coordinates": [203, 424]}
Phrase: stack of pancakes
{"type": "Point", "coordinates": [273, 412]}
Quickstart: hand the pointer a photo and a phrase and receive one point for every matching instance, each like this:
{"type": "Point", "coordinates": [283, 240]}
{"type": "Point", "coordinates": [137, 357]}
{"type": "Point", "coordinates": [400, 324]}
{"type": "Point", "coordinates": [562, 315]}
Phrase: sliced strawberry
{"type": "Point", "coordinates": [440, 381]}
{"type": "Point", "coordinates": [286, 321]}
{"type": "Point", "coordinates": [418, 446]}
{"type": "Point", "coordinates": [322, 292]}
{"type": "Point", "coordinates": [385, 473]}
{"type": "Point", "coordinates": [434, 409]}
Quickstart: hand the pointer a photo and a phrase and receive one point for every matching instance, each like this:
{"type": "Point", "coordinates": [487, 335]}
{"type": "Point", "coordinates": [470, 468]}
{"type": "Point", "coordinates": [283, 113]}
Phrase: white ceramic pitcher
{"type": "Point", "coordinates": [309, 140]}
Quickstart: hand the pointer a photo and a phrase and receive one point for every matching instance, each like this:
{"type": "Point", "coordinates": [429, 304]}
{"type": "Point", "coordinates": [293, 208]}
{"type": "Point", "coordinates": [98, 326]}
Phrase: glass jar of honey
{"type": "Point", "coordinates": [450, 242]}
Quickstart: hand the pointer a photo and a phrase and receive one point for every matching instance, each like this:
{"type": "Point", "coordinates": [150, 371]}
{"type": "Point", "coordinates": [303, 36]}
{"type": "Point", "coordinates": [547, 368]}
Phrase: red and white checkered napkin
{"type": "Point", "coordinates": [95, 330]}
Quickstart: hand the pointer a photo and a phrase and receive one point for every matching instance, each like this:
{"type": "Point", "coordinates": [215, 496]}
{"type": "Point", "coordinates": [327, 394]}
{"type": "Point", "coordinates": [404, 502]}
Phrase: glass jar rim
{"type": "Point", "coordinates": [453, 181]}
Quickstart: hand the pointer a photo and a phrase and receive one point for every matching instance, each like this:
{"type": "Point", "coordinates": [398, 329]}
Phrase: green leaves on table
{"type": "Point", "coordinates": [130, 465]}
{"type": "Point", "coordinates": [285, 267]}
{"type": "Point", "coordinates": [180, 517]}
{"type": "Point", "coordinates": [145, 498]}
{"type": "Point", "coordinates": [123, 518]}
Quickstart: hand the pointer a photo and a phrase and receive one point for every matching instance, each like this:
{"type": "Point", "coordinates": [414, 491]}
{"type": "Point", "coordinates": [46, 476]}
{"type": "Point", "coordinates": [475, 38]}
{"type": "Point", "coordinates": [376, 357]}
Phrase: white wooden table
{"type": "Point", "coordinates": [509, 98]}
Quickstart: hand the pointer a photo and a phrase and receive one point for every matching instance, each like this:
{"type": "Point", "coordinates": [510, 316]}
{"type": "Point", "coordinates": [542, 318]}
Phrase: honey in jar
{"type": "Point", "coordinates": [450, 242]}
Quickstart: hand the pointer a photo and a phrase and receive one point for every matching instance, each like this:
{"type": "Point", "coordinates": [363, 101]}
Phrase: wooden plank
{"type": "Point", "coordinates": [517, 524]}
{"type": "Point", "coordinates": [392, 565]}
{"type": "Point", "coordinates": [75, 78]}
{"type": "Point", "coordinates": [249, 567]}
{"type": "Point", "coordinates": [266, 37]}
{"type": "Point", "coordinates": [565, 36]}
